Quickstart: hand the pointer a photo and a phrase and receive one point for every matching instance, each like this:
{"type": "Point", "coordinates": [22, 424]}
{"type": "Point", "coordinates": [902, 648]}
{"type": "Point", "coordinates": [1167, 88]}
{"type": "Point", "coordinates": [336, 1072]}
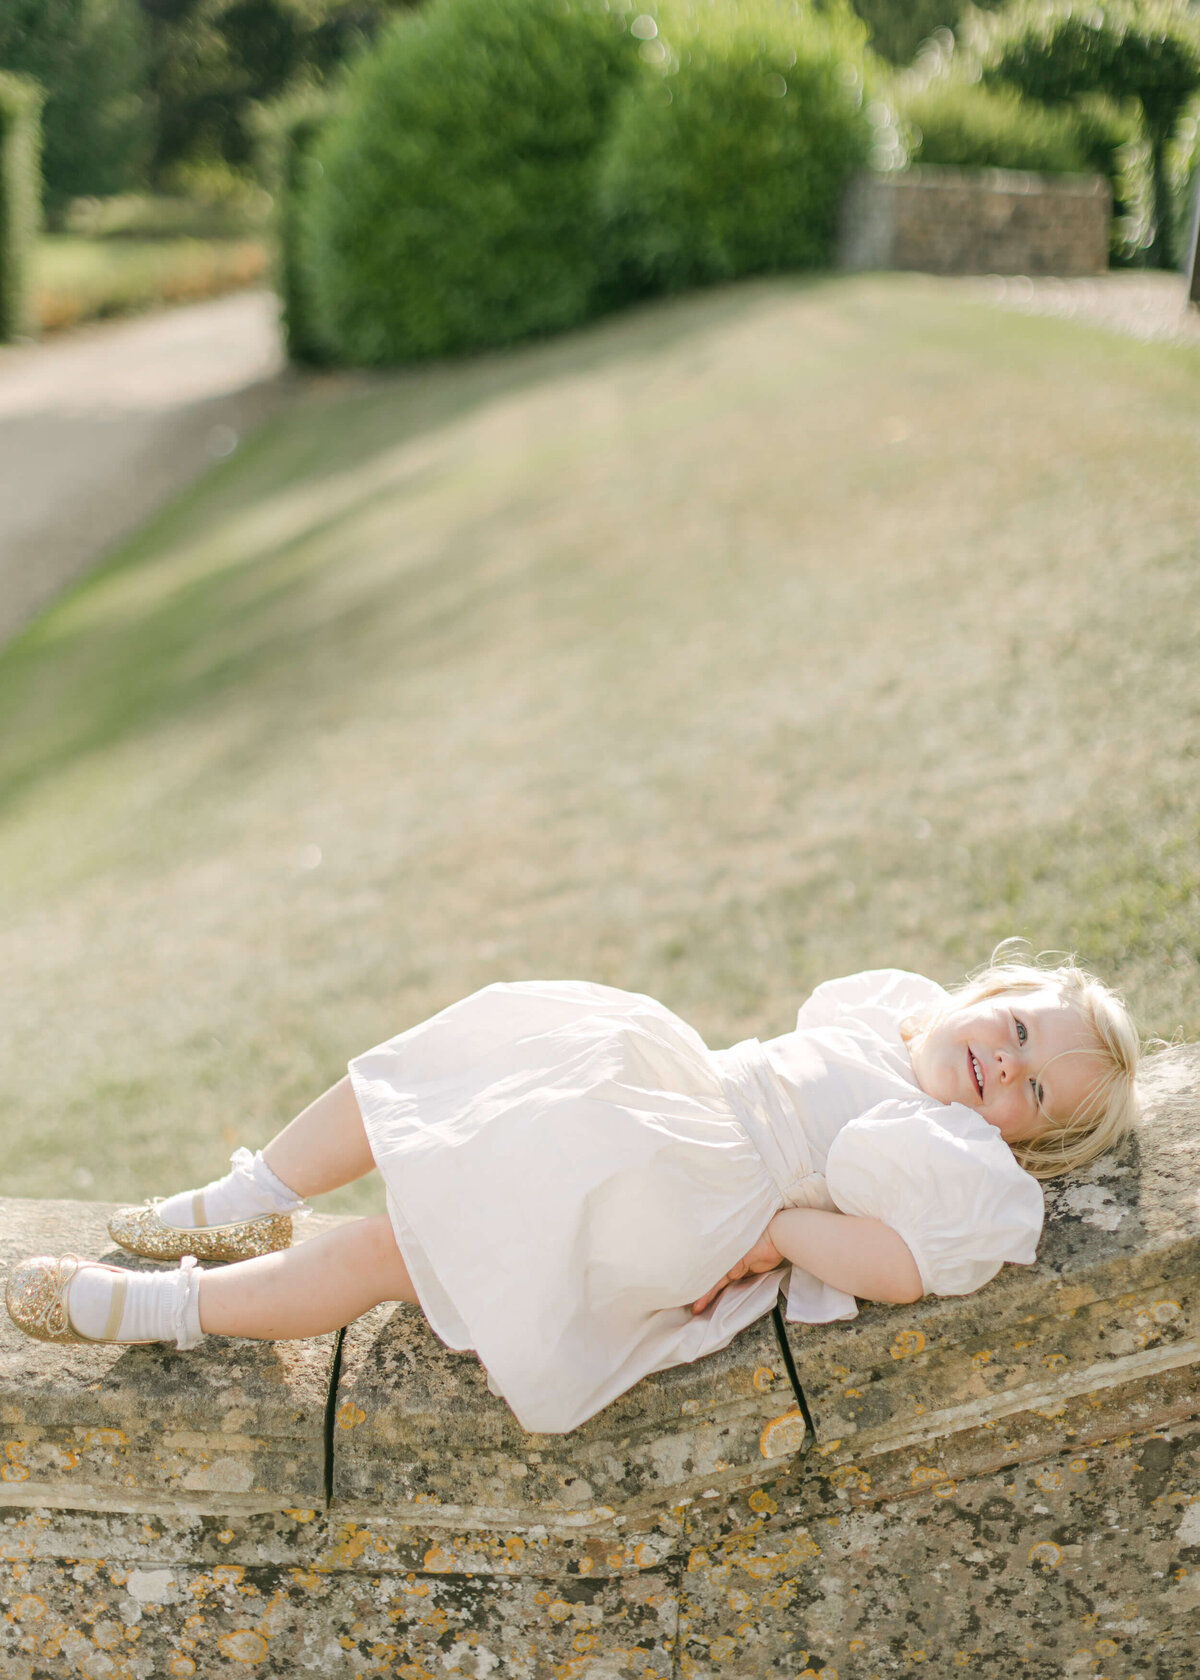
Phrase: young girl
{"type": "Point", "coordinates": [582, 1192]}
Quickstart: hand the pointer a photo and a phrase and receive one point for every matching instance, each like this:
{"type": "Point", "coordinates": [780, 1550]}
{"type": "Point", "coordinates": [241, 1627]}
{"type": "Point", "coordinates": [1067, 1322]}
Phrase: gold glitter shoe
{"type": "Point", "coordinates": [36, 1298]}
{"type": "Point", "coordinates": [142, 1231]}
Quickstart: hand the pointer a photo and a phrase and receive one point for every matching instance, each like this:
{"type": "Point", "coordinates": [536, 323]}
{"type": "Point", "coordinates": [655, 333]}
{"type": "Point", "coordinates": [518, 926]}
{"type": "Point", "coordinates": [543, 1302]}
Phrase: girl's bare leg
{"type": "Point", "coordinates": [317, 1286]}
{"type": "Point", "coordinates": [324, 1147]}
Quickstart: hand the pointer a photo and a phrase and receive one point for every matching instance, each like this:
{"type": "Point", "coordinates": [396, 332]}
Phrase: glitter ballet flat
{"type": "Point", "coordinates": [142, 1231]}
{"type": "Point", "coordinates": [36, 1298]}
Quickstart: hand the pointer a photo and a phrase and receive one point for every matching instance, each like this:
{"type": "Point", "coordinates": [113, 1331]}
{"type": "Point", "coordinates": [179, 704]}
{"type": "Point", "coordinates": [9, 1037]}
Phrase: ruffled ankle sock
{"type": "Point", "coordinates": [249, 1190]}
{"type": "Point", "coordinates": [157, 1306]}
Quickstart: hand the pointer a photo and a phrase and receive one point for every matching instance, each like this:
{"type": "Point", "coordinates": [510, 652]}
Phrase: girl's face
{"type": "Point", "coordinates": [1024, 1060]}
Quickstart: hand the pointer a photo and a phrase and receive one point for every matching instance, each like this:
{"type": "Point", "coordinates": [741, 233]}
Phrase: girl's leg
{"type": "Point", "coordinates": [317, 1286]}
{"type": "Point", "coordinates": [324, 1147]}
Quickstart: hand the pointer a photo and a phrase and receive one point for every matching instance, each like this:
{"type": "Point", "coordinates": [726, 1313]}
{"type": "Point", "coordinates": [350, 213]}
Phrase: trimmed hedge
{"type": "Point", "coordinates": [453, 205]}
{"type": "Point", "coordinates": [974, 127]}
{"type": "Point", "coordinates": [731, 158]}
{"type": "Point", "coordinates": [286, 133]}
{"type": "Point", "coordinates": [1146, 51]}
{"type": "Point", "coordinates": [20, 200]}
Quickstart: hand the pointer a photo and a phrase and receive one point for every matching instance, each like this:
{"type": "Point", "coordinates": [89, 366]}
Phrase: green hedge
{"type": "Point", "coordinates": [20, 199]}
{"type": "Point", "coordinates": [286, 133]}
{"type": "Point", "coordinates": [453, 202]}
{"type": "Point", "coordinates": [730, 159]}
{"type": "Point", "coordinates": [1144, 52]}
{"type": "Point", "coordinates": [973, 127]}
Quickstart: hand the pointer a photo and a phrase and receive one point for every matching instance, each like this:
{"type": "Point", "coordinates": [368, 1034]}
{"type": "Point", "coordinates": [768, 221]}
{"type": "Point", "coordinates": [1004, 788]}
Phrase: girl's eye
{"type": "Point", "coordinates": [1022, 1035]}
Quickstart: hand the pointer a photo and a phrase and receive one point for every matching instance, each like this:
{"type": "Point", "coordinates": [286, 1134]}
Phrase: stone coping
{"type": "Point", "coordinates": [387, 1425]}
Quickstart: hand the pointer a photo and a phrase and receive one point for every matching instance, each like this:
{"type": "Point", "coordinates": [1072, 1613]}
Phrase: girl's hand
{"type": "Point", "coordinates": [763, 1257]}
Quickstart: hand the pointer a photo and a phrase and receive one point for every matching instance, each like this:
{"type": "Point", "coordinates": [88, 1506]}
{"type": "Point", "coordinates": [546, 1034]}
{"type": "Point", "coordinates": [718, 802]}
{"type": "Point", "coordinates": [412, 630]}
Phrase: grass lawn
{"type": "Point", "coordinates": [732, 644]}
{"type": "Point", "coordinates": [79, 279]}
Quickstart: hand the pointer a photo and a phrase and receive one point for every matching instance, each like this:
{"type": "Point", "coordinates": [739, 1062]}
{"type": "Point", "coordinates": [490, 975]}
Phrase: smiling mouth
{"type": "Point", "coordinates": [976, 1072]}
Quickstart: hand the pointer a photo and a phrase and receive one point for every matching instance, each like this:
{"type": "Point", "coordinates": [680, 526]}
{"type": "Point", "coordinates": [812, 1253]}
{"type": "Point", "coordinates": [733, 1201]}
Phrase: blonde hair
{"type": "Point", "coordinates": [1109, 1112]}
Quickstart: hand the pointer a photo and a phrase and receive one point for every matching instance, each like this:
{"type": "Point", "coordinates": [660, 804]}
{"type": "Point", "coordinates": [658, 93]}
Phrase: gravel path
{"type": "Point", "coordinates": [1139, 304]}
{"type": "Point", "coordinates": [100, 428]}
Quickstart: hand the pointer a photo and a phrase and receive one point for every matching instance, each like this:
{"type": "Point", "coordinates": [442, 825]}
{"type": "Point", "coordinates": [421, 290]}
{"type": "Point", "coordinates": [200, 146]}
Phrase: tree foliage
{"type": "Point", "coordinates": [90, 57]}
{"type": "Point", "coordinates": [1147, 53]}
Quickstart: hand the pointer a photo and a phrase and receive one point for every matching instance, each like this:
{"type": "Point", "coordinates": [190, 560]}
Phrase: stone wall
{"type": "Point", "coordinates": [976, 221]}
{"type": "Point", "coordinates": [1003, 1485]}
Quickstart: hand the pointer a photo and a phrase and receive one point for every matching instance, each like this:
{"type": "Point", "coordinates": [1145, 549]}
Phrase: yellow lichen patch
{"type": "Point", "coordinates": [764, 1378]}
{"type": "Point", "coordinates": [907, 1343]}
{"type": "Point", "coordinates": [643, 1557]}
{"type": "Point", "coordinates": [243, 1645]}
{"type": "Point", "coordinates": [225, 1536]}
{"type": "Point", "coordinates": [586, 1565]}
{"type": "Point", "coordinates": [1048, 1479]}
{"type": "Point", "coordinates": [299, 1513]}
{"type": "Point", "coordinates": [438, 1560]}
{"type": "Point", "coordinates": [783, 1435]}
{"type": "Point", "coordinates": [1055, 1361]}
{"type": "Point", "coordinates": [982, 1357]}
{"type": "Point", "coordinates": [349, 1416]}
{"type": "Point", "coordinates": [228, 1575]}
{"type": "Point", "coordinates": [28, 1608]}
{"type": "Point", "coordinates": [925, 1475]}
{"type": "Point", "coordinates": [558, 1610]}
{"type": "Point", "coordinates": [305, 1578]}
{"type": "Point", "coordinates": [12, 1470]}
{"type": "Point", "coordinates": [1046, 1553]}
{"type": "Point", "coordinates": [1106, 1647]}
{"type": "Point", "coordinates": [852, 1393]}
{"type": "Point", "coordinates": [760, 1500]}
{"type": "Point", "coordinates": [722, 1649]}
{"type": "Point", "coordinates": [850, 1476]}
{"type": "Point", "coordinates": [181, 1666]}
{"type": "Point", "coordinates": [832, 1446]}
{"type": "Point", "coordinates": [349, 1546]}
{"type": "Point", "coordinates": [1077, 1464]}
{"type": "Point", "coordinates": [104, 1438]}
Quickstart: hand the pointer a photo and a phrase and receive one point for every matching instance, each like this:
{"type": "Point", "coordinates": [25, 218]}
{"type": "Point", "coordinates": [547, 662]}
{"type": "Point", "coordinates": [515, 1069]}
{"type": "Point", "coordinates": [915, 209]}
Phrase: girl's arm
{"type": "Point", "coordinates": [863, 1257]}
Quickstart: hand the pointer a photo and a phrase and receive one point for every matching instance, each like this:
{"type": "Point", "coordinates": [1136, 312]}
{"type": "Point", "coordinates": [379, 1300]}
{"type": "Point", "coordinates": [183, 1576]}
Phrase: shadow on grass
{"type": "Point", "coordinates": [151, 635]}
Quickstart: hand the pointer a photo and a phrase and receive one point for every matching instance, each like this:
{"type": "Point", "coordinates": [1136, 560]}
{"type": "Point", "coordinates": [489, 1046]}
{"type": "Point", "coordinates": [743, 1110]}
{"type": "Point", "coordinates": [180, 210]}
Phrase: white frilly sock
{"type": "Point", "coordinates": [248, 1190]}
{"type": "Point", "coordinates": [158, 1306]}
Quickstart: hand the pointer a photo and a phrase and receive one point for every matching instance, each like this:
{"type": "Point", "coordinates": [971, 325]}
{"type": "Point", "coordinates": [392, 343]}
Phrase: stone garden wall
{"type": "Point", "coordinates": [976, 221]}
{"type": "Point", "coordinates": [1006, 1485]}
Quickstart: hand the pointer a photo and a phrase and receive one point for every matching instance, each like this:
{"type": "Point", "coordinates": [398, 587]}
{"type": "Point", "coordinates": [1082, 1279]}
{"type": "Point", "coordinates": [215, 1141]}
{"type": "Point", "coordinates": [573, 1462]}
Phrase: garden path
{"type": "Point", "coordinates": [104, 425]}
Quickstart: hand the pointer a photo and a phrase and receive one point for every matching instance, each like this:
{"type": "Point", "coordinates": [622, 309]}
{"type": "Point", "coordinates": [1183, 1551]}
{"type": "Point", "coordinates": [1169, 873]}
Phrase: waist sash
{"type": "Point", "coordinates": [769, 1119]}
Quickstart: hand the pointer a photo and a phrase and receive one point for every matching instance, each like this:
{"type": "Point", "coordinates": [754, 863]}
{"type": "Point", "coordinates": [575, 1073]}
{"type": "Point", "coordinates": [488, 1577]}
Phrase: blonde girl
{"type": "Point", "coordinates": [582, 1192]}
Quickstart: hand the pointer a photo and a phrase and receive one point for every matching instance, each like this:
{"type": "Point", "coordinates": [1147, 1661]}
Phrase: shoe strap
{"type": "Point", "coordinates": [198, 1218]}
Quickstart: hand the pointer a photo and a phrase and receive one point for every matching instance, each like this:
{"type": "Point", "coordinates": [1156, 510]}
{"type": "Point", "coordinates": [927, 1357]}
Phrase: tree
{"type": "Point", "coordinates": [90, 57]}
{"type": "Point", "coordinates": [1148, 53]}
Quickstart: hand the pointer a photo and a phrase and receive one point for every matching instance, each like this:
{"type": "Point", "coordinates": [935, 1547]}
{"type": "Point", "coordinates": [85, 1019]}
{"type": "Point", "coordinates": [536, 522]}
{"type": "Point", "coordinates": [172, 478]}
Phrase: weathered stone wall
{"type": "Point", "coordinates": [1003, 1485]}
{"type": "Point", "coordinates": [976, 221]}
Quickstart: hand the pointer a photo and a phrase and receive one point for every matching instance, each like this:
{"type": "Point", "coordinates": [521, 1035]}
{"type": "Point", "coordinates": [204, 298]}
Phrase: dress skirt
{"type": "Point", "coordinates": [565, 1174]}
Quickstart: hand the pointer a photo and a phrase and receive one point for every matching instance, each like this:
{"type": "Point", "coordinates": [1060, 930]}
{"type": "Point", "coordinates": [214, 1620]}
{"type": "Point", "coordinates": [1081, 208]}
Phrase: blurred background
{"type": "Point", "coordinates": [575, 489]}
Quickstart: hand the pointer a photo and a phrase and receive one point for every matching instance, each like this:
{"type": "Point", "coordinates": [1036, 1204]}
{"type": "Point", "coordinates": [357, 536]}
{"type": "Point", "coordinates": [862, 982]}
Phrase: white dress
{"type": "Point", "coordinates": [568, 1166]}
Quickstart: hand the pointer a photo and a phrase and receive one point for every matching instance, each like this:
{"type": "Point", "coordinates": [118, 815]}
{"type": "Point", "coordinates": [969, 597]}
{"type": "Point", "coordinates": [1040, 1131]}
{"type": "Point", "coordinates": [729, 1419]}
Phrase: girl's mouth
{"type": "Point", "coordinates": [976, 1072]}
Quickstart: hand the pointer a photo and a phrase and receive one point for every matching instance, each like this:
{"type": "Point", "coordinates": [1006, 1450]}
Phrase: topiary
{"type": "Point", "coordinates": [973, 127]}
{"type": "Point", "coordinates": [20, 200]}
{"type": "Point", "coordinates": [731, 158]}
{"type": "Point", "coordinates": [1148, 52]}
{"type": "Point", "coordinates": [453, 204]}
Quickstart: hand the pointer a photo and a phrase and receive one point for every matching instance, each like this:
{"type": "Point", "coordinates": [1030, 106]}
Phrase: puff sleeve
{"type": "Point", "coordinates": [946, 1182]}
{"type": "Point", "coordinates": [880, 998]}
